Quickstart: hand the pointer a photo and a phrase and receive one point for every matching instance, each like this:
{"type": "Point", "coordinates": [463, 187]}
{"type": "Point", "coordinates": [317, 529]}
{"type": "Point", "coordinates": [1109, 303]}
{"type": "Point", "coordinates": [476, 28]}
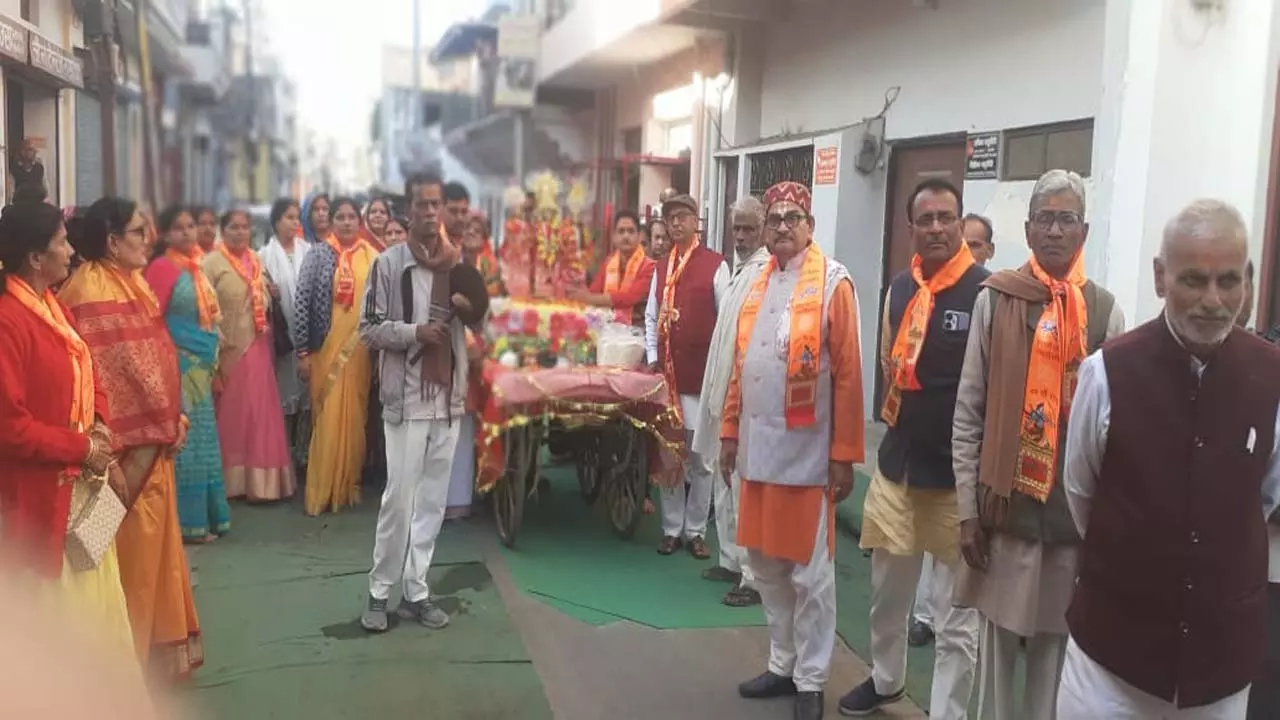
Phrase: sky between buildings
{"type": "Point", "coordinates": [332, 49]}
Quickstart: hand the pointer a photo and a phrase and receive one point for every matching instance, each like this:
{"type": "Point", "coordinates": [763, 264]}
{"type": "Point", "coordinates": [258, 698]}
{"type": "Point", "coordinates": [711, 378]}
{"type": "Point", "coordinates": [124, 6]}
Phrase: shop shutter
{"type": "Point", "coordinates": [89, 164]}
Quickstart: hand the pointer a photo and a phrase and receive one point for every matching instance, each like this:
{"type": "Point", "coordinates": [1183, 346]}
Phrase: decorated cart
{"type": "Point", "coordinates": [541, 375]}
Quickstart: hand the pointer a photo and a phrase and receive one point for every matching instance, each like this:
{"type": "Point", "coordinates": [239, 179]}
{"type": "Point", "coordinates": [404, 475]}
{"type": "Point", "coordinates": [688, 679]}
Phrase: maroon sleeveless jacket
{"type": "Point", "coordinates": [695, 299]}
{"type": "Point", "coordinates": [1172, 589]}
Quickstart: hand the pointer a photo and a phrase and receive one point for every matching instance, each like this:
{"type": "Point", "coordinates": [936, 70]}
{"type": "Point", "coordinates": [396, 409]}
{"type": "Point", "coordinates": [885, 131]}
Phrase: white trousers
{"type": "Point", "coordinates": [893, 583]}
{"type": "Point", "coordinates": [419, 460]}
{"type": "Point", "coordinates": [462, 479]}
{"type": "Point", "coordinates": [925, 590]}
{"type": "Point", "coordinates": [1090, 691]}
{"type": "Point", "coordinates": [685, 512]}
{"type": "Point", "coordinates": [998, 661]}
{"type": "Point", "coordinates": [800, 609]}
{"type": "Point", "coordinates": [733, 557]}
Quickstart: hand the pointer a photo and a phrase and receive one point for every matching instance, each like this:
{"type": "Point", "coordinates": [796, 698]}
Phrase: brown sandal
{"type": "Point", "coordinates": [669, 545]}
{"type": "Point", "coordinates": [741, 597]}
{"type": "Point", "coordinates": [698, 548]}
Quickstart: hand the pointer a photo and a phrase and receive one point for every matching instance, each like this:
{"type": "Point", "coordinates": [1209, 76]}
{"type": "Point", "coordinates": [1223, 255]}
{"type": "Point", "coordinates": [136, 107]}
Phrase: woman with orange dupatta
{"type": "Point", "coordinates": [374, 224]}
{"type": "Point", "coordinates": [256, 463]}
{"type": "Point", "coordinates": [53, 430]}
{"type": "Point", "coordinates": [334, 360]}
{"type": "Point", "coordinates": [190, 308]}
{"type": "Point", "coordinates": [137, 363]}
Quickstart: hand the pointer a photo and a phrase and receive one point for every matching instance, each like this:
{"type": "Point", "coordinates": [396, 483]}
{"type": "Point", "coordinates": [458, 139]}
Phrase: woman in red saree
{"type": "Point", "coordinates": [53, 427]}
{"type": "Point", "coordinates": [137, 363]}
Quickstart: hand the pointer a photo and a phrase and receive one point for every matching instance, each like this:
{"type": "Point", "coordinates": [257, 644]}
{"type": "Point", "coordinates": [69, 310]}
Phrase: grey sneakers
{"type": "Point", "coordinates": [374, 617]}
{"type": "Point", "coordinates": [425, 612]}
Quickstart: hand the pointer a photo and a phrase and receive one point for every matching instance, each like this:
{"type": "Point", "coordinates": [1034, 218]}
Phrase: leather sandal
{"type": "Point", "coordinates": [698, 548]}
{"type": "Point", "coordinates": [669, 545]}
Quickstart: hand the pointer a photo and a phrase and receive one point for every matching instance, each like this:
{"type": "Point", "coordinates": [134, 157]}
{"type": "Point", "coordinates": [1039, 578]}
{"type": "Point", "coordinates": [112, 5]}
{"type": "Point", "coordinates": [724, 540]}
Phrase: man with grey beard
{"type": "Point", "coordinates": [1171, 474]}
{"type": "Point", "coordinates": [750, 257]}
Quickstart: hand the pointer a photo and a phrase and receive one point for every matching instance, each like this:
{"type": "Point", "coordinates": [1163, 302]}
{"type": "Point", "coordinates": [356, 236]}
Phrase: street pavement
{"type": "Point", "coordinates": [280, 596]}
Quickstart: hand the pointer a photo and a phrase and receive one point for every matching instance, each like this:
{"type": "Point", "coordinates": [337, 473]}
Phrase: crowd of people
{"type": "Point", "coordinates": [1104, 501]}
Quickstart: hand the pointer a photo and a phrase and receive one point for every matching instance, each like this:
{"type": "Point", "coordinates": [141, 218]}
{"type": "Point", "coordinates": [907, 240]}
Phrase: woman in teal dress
{"type": "Point", "coordinates": [190, 308]}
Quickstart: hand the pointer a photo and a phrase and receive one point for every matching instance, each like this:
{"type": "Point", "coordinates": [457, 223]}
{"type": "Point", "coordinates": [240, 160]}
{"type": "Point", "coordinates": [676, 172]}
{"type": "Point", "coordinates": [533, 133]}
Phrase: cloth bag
{"type": "Point", "coordinates": [94, 518]}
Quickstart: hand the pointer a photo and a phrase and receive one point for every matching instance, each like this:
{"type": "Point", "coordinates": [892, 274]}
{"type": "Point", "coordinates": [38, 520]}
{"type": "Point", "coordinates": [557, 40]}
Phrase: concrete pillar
{"type": "Point", "coordinates": [1188, 105]}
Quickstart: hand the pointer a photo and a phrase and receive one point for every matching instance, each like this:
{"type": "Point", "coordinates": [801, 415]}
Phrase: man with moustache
{"type": "Point", "coordinates": [980, 237]}
{"type": "Point", "coordinates": [1031, 329]}
{"type": "Point", "coordinates": [1171, 473]}
{"type": "Point", "coordinates": [751, 256]}
{"type": "Point", "coordinates": [679, 319]}
{"type": "Point", "coordinates": [413, 317]}
{"type": "Point", "coordinates": [911, 505]}
{"type": "Point", "coordinates": [793, 427]}
{"type": "Point", "coordinates": [457, 211]}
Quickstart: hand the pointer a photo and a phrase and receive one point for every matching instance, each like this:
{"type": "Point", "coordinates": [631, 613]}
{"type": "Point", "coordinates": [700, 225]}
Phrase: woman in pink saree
{"type": "Point", "coordinates": [256, 461]}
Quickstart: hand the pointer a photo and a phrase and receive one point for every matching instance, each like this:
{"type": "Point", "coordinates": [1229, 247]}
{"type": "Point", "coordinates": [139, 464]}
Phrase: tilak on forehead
{"type": "Point", "coordinates": [789, 191]}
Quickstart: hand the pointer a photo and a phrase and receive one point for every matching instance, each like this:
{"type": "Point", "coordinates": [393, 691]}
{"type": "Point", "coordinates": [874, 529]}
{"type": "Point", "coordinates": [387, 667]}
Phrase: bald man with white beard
{"type": "Point", "coordinates": [1171, 475]}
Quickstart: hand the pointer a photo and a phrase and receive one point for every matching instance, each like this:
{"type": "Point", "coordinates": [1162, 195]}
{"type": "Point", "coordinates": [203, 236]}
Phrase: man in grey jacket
{"type": "Point", "coordinates": [409, 319]}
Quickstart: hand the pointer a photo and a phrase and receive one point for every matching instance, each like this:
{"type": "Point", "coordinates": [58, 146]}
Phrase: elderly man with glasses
{"type": "Point", "coordinates": [910, 508]}
{"type": "Point", "coordinates": [679, 319]}
{"type": "Point", "coordinates": [1032, 327]}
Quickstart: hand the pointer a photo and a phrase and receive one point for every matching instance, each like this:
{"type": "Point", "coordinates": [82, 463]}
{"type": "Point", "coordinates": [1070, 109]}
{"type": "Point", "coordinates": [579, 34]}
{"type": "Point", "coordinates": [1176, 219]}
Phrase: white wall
{"type": "Point", "coordinates": [589, 27]}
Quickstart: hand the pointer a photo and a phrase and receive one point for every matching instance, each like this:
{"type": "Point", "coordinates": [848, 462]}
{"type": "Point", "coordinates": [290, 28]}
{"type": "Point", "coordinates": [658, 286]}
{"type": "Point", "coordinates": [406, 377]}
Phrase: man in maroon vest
{"type": "Point", "coordinates": [678, 321]}
{"type": "Point", "coordinates": [1171, 472]}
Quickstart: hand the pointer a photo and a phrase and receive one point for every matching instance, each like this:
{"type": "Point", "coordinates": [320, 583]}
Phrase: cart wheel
{"type": "Point", "coordinates": [512, 487]}
{"type": "Point", "coordinates": [625, 491]}
{"type": "Point", "coordinates": [588, 458]}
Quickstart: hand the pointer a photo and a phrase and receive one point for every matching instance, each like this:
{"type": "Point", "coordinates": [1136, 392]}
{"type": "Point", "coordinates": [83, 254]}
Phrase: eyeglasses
{"type": "Point", "coordinates": [927, 220]}
{"type": "Point", "coordinates": [678, 216]}
{"type": "Point", "coordinates": [1066, 219]}
{"type": "Point", "coordinates": [773, 222]}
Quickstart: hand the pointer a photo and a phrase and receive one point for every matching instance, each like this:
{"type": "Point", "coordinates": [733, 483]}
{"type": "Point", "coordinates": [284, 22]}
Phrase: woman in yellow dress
{"type": "Point", "coordinates": [333, 359]}
{"type": "Point", "coordinates": [137, 364]}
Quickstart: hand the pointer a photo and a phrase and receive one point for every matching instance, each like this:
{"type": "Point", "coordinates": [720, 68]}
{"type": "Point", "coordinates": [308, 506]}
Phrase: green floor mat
{"type": "Point", "coordinates": [568, 556]}
{"type": "Point", "coordinates": [279, 602]}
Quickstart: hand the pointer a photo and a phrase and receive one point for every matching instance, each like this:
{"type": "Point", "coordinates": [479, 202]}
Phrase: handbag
{"type": "Point", "coordinates": [280, 331]}
{"type": "Point", "coordinates": [95, 516]}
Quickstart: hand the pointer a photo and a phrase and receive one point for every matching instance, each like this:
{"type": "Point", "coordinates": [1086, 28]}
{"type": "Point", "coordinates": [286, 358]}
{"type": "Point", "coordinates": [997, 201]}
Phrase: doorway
{"type": "Point", "coordinates": [909, 165]}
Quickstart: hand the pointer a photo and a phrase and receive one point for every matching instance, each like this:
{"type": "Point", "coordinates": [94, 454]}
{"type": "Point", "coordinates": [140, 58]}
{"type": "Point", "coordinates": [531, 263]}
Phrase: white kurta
{"type": "Point", "coordinates": [1089, 690]}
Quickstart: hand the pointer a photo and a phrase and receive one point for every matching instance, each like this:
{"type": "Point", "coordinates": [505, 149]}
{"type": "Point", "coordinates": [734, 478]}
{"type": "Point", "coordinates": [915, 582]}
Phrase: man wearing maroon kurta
{"type": "Point", "coordinates": [679, 320]}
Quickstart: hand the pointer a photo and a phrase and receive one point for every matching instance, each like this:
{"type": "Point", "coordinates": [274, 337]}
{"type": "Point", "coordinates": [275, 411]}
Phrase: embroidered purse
{"type": "Point", "coordinates": [95, 516]}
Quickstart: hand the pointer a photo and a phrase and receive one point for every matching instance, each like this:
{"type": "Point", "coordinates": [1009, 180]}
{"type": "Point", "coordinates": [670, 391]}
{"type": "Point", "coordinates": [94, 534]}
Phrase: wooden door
{"type": "Point", "coordinates": [909, 166]}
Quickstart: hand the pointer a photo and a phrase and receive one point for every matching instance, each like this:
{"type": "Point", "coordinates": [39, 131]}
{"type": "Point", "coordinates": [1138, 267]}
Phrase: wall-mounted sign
{"type": "Point", "coordinates": [52, 59]}
{"type": "Point", "coordinates": [519, 44]}
{"type": "Point", "coordinates": [13, 40]}
{"type": "Point", "coordinates": [983, 160]}
{"type": "Point", "coordinates": [826, 165]}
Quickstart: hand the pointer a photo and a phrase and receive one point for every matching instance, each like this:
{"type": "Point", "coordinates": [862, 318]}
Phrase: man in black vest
{"type": "Point", "coordinates": [1031, 329]}
{"type": "Point", "coordinates": [911, 505]}
{"type": "Point", "coordinates": [1171, 471]}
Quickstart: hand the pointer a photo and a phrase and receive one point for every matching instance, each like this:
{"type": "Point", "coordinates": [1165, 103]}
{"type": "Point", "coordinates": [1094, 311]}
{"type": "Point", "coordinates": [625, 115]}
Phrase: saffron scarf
{"type": "Point", "coordinates": [206, 297]}
{"type": "Point", "coordinates": [617, 277]}
{"type": "Point", "coordinates": [48, 309]}
{"type": "Point", "coordinates": [1057, 348]}
{"type": "Point", "coordinates": [915, 326]}
{"type": "Point", "coordinates": [670, 315]}
{"type": "Point", "coordinates": [344, 278]}
{"type": "Point", "coordinates": [253, 278]}
{"type": "Point", "coordinates": [804, 349]}
{"type": "Point", "coordinates": [487, 264]}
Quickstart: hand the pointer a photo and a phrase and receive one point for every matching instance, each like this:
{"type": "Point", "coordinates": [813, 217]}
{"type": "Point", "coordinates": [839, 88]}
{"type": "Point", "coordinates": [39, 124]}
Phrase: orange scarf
{"type": "Point", "coordinates": [206, 297]}
{"type": "Point", "coordinates": [253, 278]}
{"type": "Point", "coordinates": [344, 278]}
{"type": "Point", "coordinates": [487, 264]}
{"type": "Point", "coordinates": [915, 326]}
{"type": "Point", "coordinates": [805, 346]}
{"type": "Point", "coordinates": [47, 309]}
{"type": "Point", "coordinates": [1057, 348]}
{"type": "Point", "coordinates": [670, 315]}
{"type": "Point", "coordinates": [616, 277]}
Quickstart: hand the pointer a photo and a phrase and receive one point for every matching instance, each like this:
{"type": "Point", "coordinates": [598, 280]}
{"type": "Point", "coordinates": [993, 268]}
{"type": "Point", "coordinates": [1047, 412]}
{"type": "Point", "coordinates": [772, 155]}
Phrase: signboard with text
{"type": "Point", "coordinates": [519, 44]}
{"type": "Point", "coordinates": [983, 157]}
{"type": "Point", "coordinates": [826, 165]}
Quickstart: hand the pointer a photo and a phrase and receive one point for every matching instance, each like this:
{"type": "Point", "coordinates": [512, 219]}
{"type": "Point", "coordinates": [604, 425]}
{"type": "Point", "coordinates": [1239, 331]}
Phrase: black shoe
{"type": "Point", "coordinates": [767, 685]}
{"type": "Point", "coordinates": [864, 700]}
{"type": "Point", "coordinates": [920, 634]}
{"type": "Point", "coordinates": [809, 706]}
